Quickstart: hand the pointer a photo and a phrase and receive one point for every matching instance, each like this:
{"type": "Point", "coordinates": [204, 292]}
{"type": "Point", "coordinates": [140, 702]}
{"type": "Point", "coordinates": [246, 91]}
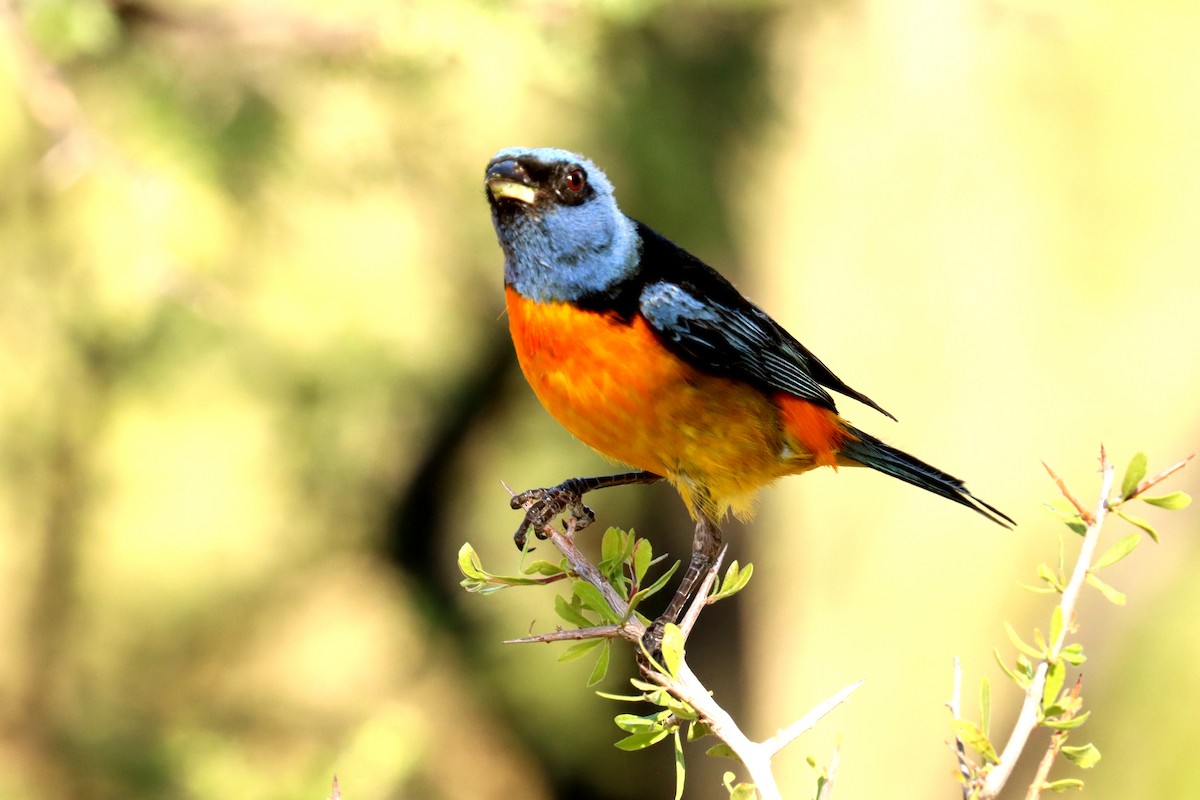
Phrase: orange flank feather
{"type": "Point", "coordinates": [615, 387]}
{"type": "Point", "coordinates": [819, 431]}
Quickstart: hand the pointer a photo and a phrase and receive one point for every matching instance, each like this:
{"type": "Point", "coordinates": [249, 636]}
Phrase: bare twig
{"type": "Point", "coordinates": [1027, 719]}
{"type": "Point", "coordinates": [960, 750]}
{"type": "Point", "coordinates": [789, 734]}
{"type": "Point", "coordinates": [566, 635]}
{"type": "Point", "coordinates": [1159, 478]}
{"type": "Point", "coordinates": [1062, 487]}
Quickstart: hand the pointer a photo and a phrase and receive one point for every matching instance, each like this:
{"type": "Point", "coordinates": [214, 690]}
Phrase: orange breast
{"type": "Point", "coordinates": [615, 387]}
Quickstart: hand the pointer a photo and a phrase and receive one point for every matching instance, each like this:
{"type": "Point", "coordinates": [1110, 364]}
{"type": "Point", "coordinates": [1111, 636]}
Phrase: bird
{"type": "Point", "coordinates": [654, 359]}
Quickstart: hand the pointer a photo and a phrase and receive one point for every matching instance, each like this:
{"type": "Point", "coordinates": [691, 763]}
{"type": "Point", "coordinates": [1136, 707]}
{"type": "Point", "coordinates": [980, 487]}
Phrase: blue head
{"type": "Point", "coordinates": [558, 223]}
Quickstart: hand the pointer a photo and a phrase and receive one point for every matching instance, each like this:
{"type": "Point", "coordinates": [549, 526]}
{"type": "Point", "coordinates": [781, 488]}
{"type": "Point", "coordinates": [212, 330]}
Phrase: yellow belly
{"type": "Point", "coordinates": [617, 389]}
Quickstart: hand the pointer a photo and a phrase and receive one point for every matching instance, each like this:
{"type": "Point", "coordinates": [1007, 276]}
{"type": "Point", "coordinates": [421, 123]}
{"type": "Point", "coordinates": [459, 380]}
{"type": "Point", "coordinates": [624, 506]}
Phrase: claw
{"type": "Point", "coordinates": [543, 505]}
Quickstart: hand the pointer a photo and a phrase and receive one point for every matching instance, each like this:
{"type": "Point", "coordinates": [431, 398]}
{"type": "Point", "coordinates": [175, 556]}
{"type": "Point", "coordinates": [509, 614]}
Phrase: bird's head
{"type": "Point", "coordinates": [559, 225]}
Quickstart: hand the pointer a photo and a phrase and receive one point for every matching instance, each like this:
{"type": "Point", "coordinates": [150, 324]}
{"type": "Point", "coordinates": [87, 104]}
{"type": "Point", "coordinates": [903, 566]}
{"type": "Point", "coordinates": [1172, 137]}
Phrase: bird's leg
{"type": "Point", "coordinates": [706, 544]}
{"type": "Point", "coordinates": [543, 505]}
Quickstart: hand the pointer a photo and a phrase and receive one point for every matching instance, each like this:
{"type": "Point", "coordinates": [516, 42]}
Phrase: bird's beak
{"type": "Point", "coordinates": [508, 179]}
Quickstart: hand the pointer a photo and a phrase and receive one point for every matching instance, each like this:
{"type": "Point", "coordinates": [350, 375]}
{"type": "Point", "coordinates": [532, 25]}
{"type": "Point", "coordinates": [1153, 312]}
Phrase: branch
{"type": "Point", "coordinates": [684, 685]}
{"type": "Point", "coordinates": [1027, 720]}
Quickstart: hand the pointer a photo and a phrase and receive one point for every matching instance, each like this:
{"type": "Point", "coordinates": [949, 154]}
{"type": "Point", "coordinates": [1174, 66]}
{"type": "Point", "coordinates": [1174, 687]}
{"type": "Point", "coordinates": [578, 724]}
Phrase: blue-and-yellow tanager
{"type": "Point", "coordinates": [654, 359]}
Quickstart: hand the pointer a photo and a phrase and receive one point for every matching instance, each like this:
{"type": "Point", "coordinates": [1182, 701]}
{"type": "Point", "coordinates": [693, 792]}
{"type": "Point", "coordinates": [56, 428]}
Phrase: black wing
{"type": "Point", "coordinates": [701, 317]}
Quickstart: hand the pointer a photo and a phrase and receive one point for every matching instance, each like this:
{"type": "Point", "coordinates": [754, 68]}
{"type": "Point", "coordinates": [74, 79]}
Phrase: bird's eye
{"type": "Point", "coordinates": [575, 180]}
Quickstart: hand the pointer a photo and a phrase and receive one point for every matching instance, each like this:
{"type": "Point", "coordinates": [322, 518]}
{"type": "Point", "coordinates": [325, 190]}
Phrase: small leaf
{"type": "Point", "coordinates": [1055, 675]}
{"type": "Point", "coordinates": [1073, 654]}
{"type": "Point", "coordinates": [721, 750]}
{"type": "Point", "coordinates": [1066, 724]}
{"type": "Point", "coordinates": [970, 735]}
{"type": "Point", "coordinates": [698, 730]}
{"type": "Point", "coordinates": [640, 741]}
{"type": "Point", "coordinates": [590, 596]}
{"type": "Point", "coordinates": [1138, 521]}
{"type": "Point", "coordinates": [1077, 526]}
{"type": "Point", "coordinates": [543, 567]}
{"type": "Point", "coordinates": [1021, 681]}
{"type": "Point", "coordinates": [1118, 551]}
{"type": "Point", "coordinates": [469, 563]}
{"type": "Point", "coordinates": [643, 554]}
{"type": "Point", "coordinates": [1112, 595]}
{"type": "Point", "coordinates": [624, 698]}
{"type": "Point", "coordinates": [1020, 644]}
{"type": "Point", "coordinates": [601, 668]}
{"type": "Point", "coordinates": [736, 579]}
{"type": "Point", "coordinates": [1050, 576]}
{"type": "Point", "coordinates": [672, 648]}
{"type": "Point", "coordinates": [1085, 756]}
{"type": "Point", "coordinates": [581, 649]}
{"type": "Point", "coordinates": [1133, 474]}
{"type": "Point", "coordinates": [642, 594]}
{"type": "Point", "coordinates": [1173, 501]}
{"type": "Point", "coordinates": [1056, 625]}
{"type": "Point", "coordinates": [1062, 785]}
{"type": "Point", "coordinates": [611, 545]}
{"type": "Point", "coordinates": [572, 612]}
{"type": "Point", "coordinates": [679, 769]}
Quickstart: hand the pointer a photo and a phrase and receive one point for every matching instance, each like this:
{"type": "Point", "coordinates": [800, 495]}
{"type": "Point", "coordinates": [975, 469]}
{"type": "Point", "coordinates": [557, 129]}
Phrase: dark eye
{"type": "Point", "coordinates": [575, 180]}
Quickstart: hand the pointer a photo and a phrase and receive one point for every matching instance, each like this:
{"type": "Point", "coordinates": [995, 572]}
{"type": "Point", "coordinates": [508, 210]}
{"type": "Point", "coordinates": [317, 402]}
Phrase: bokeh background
{"type": "Point", "coordinates": [256, 388]}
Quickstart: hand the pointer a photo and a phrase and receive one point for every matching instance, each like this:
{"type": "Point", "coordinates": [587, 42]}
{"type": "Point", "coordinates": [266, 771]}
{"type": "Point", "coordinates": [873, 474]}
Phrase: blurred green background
{"type": "Point", "coordinates": [256, 388]}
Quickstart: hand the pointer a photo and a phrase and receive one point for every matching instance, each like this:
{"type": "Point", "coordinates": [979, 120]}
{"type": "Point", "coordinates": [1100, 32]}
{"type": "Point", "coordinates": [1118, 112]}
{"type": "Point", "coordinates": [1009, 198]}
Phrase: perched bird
{"type": "Point", "coordinates": [654, 359]}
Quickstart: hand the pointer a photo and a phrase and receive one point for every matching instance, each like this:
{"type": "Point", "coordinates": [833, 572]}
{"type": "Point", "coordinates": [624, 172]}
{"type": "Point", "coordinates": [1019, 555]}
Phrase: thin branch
{"type": "Point", "coordinates": [960, 749]}
{"type": "Point", "coordinates": [1052, 751]}
{"type": "Point", "coordinates": [1062, 487]}
{"type": "Point", "coordinates": [1159, 478]}
{"type": "Point", "coordinates": [789, 734]}
{"type": "Point", "coordinates": [567, 635]}
{"type": "Point", "coordinates": [830, 773]}
{"type": "Point", "coordinates": [1027, 720]}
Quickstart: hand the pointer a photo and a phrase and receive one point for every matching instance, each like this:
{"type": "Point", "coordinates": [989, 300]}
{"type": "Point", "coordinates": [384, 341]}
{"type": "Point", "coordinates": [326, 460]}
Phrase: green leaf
{"type": "Point", "coordinates": [1077, 526]}
{"type": "Point", "coordinates": [1112, 595]}
{"type": "Point", "coordinates": [1056, 625]}
{"type": "Point", "coordinates": [1133, 474]}
{"type": "Point", "coordinates": [1173, 501]}
{"type": "Point", "coordinates": [698, 730]}
{"type": "Point", "coordinates": [601, 668]}
{"type": "Point", "coordinates": [672, 648]}
{"type": "Point", "coordinates": [1050, 576]}
{"type": "Point", "coordinates": [642, 594]}
{"type": "Point", "coordinates": [1020, 680]}
{"type": "Point", "coordinates": [611, 545]}
{"type": "Point", "coordinates": [572, 611]}
{"type": "Point", "coordinates": [543, 567]}
{"type": "Point", "coordinates": [970, 735]}
{"type": "Point", "coordinates": [643, 554]}
{"type": "Point", "coordinates": [581, 649]}
{"type": "Point", "coordinates": [640, 723]}
{"type": "Point", "coordinates": [590, 596]}
{"type": "Point", "coordinates": [1066, 724]}
{"type": "Point", "coordinates": [985, 706]}
{"type": "Point", "coordinates": [1055, 675]}
{"type": "Point", "coordinates": [640, 741]}
{"type": "Point", "coordinates": [1020, 644]}
{"type": "Point", "coordinates": [680, 772]}
{"type": "Point", "coordinates": [741, 791]}
{"type": "Point", "coordinates": [1118, 551]}
{"type": "Point", "coordinates": [1073, 654]}
{"type": "Point", "coordinates": [1062, 785]}
{"type": "Point", "coordinates": [721, 750]}
{"type": "Point", "coordinates": [735, 580]}
{"type": "Point", "coordinates": [469, 563]}
{"type": "Point", "coordinates": [624, 698]}
{"type": "Point", "coordinates": [1085, 756]}
{"type": "Point", "coordinates": [1138, 521]}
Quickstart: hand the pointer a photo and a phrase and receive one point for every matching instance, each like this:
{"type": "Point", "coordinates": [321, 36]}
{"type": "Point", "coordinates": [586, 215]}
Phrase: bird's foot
{"type": "Point", "coordinates": [652, 641]}
{"type": "Point", "coordinates": [543, 505]}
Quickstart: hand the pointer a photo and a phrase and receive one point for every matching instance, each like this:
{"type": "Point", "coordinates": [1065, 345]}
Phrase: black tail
{"type": "Point", "coordinates": [870, 452]}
